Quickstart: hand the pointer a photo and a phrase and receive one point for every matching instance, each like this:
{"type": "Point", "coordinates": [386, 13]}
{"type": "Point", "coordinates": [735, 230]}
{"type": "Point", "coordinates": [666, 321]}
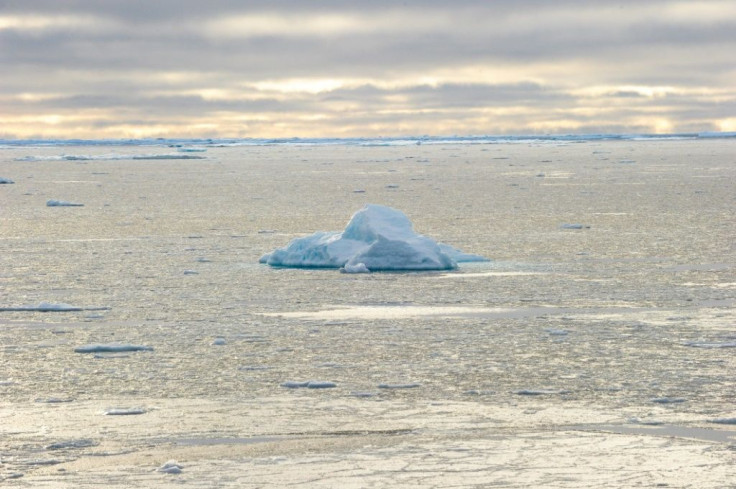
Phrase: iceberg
{"type": "Point", "coordinates": [377, 238]}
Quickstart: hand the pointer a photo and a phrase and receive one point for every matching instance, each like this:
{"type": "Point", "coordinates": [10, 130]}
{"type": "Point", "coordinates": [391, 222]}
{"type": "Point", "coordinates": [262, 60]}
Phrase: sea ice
{"type": "Point", "coordinates": [413, 385]}
{"type": "Point", "coordinates": [63, 445]}
{"type": "Point", "coordinates": [377, 238]}
{"type": "Point", "coordinates": [111, 348]}
{"type": "Point", "coordinates": [723, 420]}
{"type": "Point", "coordinates": [669, 400]}
{"type": "Point", "coordinates": [170, 467]}
{"type": "Point", "coordinates": [309, 384]}
{"type": "Point", "coordinates": [62, 203]}
{"type": "Point", "coordinates": [124, 411]}
{"type": "Point", "coordinates": [51, 307]}
{"type": "Point", "coordinates": [5, 180]}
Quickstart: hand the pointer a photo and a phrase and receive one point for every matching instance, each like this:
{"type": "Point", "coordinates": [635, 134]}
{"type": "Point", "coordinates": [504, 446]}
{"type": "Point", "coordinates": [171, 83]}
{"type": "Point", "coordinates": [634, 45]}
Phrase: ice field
{"type": "Point", "coordinates": [142, 344]}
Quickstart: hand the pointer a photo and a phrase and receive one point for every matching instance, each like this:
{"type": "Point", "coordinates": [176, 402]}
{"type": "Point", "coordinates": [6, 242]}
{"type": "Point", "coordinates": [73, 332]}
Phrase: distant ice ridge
{"type": "Point", "coordinates": [112, 157]}
{"type": "Point", "coordinates": [377, 238]}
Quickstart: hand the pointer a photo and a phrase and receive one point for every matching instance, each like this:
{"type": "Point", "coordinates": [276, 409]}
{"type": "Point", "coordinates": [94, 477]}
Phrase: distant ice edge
{"type": "Point", "coordinates": [377, 238]}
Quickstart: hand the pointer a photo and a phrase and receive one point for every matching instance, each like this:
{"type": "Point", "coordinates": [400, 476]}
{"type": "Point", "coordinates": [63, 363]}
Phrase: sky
{"type": "Point", "coordinates": [298, 68]}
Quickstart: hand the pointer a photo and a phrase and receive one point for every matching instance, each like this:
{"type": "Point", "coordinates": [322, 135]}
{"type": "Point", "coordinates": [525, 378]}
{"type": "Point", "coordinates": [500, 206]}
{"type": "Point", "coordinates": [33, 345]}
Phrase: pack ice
{"type": "Point", "coordinates": [377, 238]}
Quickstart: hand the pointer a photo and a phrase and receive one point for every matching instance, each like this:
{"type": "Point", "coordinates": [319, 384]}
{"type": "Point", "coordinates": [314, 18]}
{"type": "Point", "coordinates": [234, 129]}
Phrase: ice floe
{"type": "Point", "coordinates": [111, 348]}
{"type": "Point", "coordinates": [62, 203]}
{"type": "Point", "coordinates": [309, 384]}
{"type": "Point", "coordinates": [63, 445]}
{"type": "Point", "coordinates": [574, 226]}
{"type": "Point", "coordinates": [51, 307]}
{"type": "Point", "coordinates": [171, 467]}
{"type": "Point", "coordinates": [5, 181]}
{"type": "Point", "coordinates": [377, 238]}
{"type": "Point", "coordinates": [539, 392]}
{"type": "Point", "coordinates": [728, 344]}
{"type": "Point", "coordinates": [723, 421]}
{"type": "Point", "coordinates": [412, 385]}
{"type": "Point", "coordinates": [124, 411]}
{"type": "Point", "coordinates": [669, 400]}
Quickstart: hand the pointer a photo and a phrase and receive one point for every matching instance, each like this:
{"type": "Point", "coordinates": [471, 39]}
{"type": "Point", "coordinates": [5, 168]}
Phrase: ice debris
{"type": "Point", "coordinates": [5, 180]}
{"type": "Point", "coordinates": [574, 226]}
{"type": "Point", "coordinates": [62, 203]}
{"type": "Point", "coordinates": [170, 467]}
{"type": "Point", "coordinates": [111, 348]}
{"type": "Point", "coordinates": [377, 238]}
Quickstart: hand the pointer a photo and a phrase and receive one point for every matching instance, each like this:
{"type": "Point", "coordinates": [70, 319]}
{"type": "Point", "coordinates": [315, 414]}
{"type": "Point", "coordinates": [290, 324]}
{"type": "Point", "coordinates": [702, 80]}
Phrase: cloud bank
{"type": "Point", "coordinates": [82, 68]}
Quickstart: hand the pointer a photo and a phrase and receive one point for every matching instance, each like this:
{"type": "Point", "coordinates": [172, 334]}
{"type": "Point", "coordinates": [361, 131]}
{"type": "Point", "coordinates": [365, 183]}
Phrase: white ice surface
{"type": "Point", "coordinates": [377, 238]}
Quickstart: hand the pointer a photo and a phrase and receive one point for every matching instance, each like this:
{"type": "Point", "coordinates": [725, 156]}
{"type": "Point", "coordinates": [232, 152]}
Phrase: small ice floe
{"type": "Point", "coordinates": [727, 344]}
{"type": "Point", "coordinates": [412, 385]}
{"type": "Point", "coordinates": [539, 392]}
{"type": "Point", "coordinates": [669, 400]}
{"type": "Point", "coordinates": [124, 411]}
{"type": "Point", "coordinates": [574, 226]}
{"type": "Point", "coordinates": [111, 348]}
{"type": "Point", "coordinates": [645, 422]}
{"type": "Point", "coordinates": [202, 259]}
{"type": "Point", "coordinates": [219, 341]}
{"type": "Point", "coordinates": [392, 185]}
{"type": "Point", "coordinates": [556, 332]}
{"type": "Point", "coordinates": [309, 384]}
{"type": "Point", "coordinates": [357, 268]}
{"type": "Point", "coordinates": [63, 445]}
{"type": "Point", "coordinates": [191, 272]}
{"type": "Point", "coordinates": [627, 162]}
{"type": "Point", "coordinates": [51, 307]}
{"type": "Point", "coordinates": [12, 475]}
{"type": "Point", "coordinates": [62, 203]}
{"type": "Point", "coordinates": [475, 392]}
{"type": "Point", "coordinates": [5, 181]}
{"type": "Point", "coordinates": [723, 421]}
{"type": "Point", "coordinates": [378, 237]}
{"type": "Point", "coordinates": [359, 191]}
{"type": "Point", "coordinates": [192, 149]}
{"type": "Point", "coordinates": [170, 467]}
{"type": "Point", "coordinates": [53, 400]}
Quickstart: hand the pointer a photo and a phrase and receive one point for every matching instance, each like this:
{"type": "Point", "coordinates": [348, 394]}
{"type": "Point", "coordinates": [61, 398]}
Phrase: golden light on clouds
{"type": "Point", "coordinates": [95, 69]}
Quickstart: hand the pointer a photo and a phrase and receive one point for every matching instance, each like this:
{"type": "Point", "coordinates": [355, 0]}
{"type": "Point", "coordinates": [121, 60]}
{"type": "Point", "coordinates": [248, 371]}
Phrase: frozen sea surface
{"type": "Point", "coordinates": [598, 356]}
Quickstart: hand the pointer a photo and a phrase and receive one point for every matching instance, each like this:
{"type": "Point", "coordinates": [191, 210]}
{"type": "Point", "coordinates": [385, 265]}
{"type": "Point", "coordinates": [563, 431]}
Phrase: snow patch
{"type": "Point", "coordinates": [377, 238]}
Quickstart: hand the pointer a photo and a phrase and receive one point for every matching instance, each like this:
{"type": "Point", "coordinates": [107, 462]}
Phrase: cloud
{"type": "Point", "coordinates": [482, 67]}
